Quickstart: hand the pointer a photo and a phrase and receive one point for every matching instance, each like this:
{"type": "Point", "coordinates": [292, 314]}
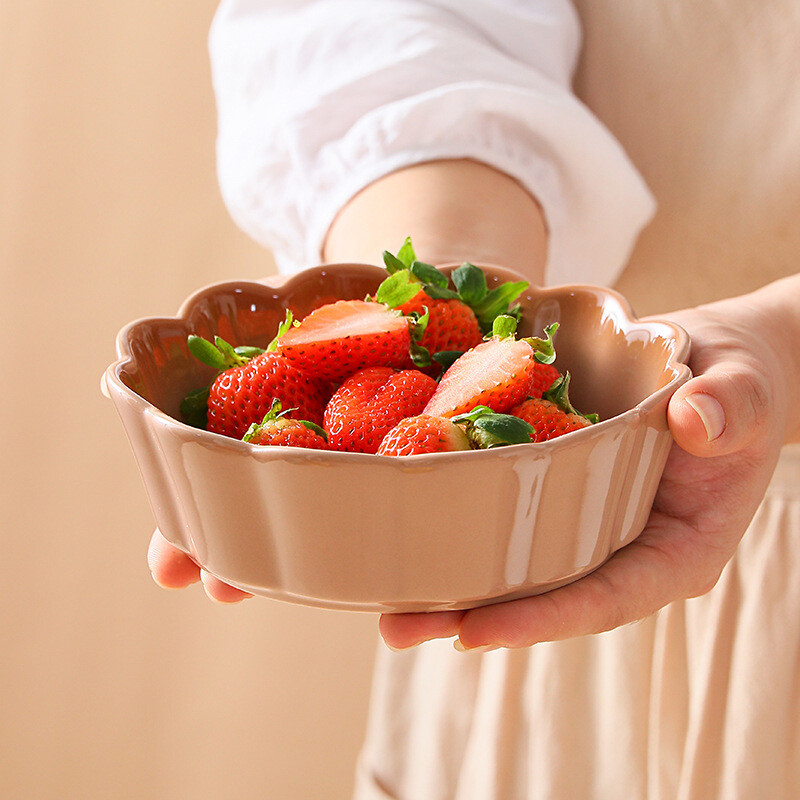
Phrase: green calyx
{"type": "Point", "coordinates": [446, 358]}
{"type": "Point", "coordinates": [194, 408]}
{"type": "Point", "coordinates": [487, 429]}
{"type": "Point", "coordinates": [469, 281]}
{"type": "Point", "coordinates": [544, 350]}
{"type": "Point", "coordinates": [288, 322]}
{"type": "Point", "coordinates": [220, 355]}
{"type": "Point", "coordinates": [558, 393]}
{"type": "Point", "coordinates": [275, 413]}
{"type": "Point", "coordinates": [417, 325]}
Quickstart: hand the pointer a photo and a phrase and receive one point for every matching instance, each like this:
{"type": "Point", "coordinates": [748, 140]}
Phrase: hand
{"type": "Point", "coordinates": [173, 569]}
{"type": "Point", "coordinates": [729, 423]}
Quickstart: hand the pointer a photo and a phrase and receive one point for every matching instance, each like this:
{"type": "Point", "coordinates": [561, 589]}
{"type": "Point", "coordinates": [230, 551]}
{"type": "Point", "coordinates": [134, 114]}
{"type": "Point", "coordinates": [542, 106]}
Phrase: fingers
{"type": "Point", "coordinates": [721, 411]}
{"type": "Point", "coordinates": [173, 569]}
{"type": "Point", "coordinates": [401, 631]}
{"type": "Point", "coordinates": [221, 592]}
{"type": "Point", "coordinates": [628, 588]}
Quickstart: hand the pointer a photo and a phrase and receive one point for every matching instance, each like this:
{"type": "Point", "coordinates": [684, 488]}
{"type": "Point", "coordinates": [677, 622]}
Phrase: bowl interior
{"type": "Point", "coordinates": [615, 362]}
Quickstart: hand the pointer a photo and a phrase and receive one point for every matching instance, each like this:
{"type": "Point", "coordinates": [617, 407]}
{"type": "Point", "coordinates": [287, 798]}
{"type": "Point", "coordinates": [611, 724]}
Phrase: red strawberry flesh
{"type": "Point", "coordinates": [423, 434]}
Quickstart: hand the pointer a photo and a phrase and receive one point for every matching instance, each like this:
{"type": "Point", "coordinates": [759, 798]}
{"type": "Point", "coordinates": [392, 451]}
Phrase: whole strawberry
{"type": "Point", "coordinates": [336, 340]}
{"type": "Point", "coordinates": [278, 430]}
{"type": "Point", "coordinates": [249, 380]}
{"type": "Point", "coordinates": [371, 402]}
{"type": "Point", "coordinates": [458, 317]}
{"type": "Point", "coordinates": [543, 376]}
{"type": "Point", "coordinates": [496, 373]}
{"type": "Point", "coordinates": [552, 415]}
{"type": "Point", "coordinates": [424, 434]}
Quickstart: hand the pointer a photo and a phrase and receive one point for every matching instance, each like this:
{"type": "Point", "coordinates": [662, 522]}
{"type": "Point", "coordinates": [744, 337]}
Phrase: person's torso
{"type": "Point", "coordinates": [705, 98]}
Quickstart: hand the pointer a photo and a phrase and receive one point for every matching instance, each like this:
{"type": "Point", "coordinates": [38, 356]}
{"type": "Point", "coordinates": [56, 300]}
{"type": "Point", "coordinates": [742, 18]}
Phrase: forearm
{"type": "Point", "coordinates": [455, 210]}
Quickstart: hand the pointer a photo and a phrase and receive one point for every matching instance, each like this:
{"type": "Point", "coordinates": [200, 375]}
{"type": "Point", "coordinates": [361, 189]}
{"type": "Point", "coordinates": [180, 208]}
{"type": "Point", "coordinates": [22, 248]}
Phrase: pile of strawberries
{"type": "Point", "coordinates": [429, 364]}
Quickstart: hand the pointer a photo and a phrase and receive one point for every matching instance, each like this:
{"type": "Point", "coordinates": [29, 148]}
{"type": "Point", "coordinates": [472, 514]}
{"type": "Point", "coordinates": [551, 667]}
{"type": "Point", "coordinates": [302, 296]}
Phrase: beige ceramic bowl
{"type": "Point", "coordinates": [427, 532]}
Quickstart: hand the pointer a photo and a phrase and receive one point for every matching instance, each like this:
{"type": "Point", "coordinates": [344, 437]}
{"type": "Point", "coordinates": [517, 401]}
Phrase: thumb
{"type": "Point", "coordinates": [721, 411]}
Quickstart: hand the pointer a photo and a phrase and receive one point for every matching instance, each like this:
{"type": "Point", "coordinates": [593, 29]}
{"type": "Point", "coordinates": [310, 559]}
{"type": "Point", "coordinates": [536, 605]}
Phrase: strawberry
{"type": "Point", "coordinates": [336, 340]}
{"type": "Point", "coordinates": [552, 415]}
{"type": "Point", "coordinates": [459, 317]}
{"type": "Point", "coordinates": [543, 377]}
{"type": "Point", "coordinates": [496, 373]}
{"type": "Point", "coordinates": [279, 430]}
{"type": "Point", "coordinates": [423, 434]}
{"type": "Point", "coordinates": [249, 380]}
{"type": "Point", "coordinates": [371, 402]}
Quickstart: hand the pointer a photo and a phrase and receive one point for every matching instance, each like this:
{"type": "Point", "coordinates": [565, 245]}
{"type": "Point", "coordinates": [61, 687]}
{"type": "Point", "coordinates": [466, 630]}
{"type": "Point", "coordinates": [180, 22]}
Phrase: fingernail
{"type": "Point", "coordinates": [462, 648]}
{"type": "Point", "coordinates": [710, 412]}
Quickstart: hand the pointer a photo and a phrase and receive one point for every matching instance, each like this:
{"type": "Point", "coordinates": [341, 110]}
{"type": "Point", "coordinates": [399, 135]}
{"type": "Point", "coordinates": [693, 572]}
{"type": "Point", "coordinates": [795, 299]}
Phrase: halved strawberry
{"type": "Point", "coordinates": [424, 434]}
{"type": "Point", "coordinates": [277, 429]}
{"type": "Point", "coordinates": [370, 403]}
{"type": "Point", "coordinates": [496, 373]}
{"type": "Point", "coordinates": [336, 340]}
{"type": "Point", "coordinates": [552, 414]}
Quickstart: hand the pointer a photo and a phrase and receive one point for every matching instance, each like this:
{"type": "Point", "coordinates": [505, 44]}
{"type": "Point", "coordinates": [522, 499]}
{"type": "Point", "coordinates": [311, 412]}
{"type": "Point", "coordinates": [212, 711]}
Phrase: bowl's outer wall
{"type": "Point", "coordinates": [371, 533]}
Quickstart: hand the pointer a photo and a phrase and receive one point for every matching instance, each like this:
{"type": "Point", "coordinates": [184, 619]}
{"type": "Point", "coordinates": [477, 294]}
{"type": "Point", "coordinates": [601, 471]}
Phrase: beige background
{"type": "Point", "coordinates": [109, 210]}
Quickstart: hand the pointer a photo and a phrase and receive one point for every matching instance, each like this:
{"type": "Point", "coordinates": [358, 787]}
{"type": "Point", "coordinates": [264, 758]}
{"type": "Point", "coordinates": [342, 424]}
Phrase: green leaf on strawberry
{"type": "Point", "coordinates": [276, 411]}
{"type": "Point", "coordinates": [544, 350]}
{"type": "Point", "coordinates": [558, 393]}
{"type": "Point", "coordinates": [397, 289]}
{"type": "Point", "coordinates": [429, 276]}
{"type": "Point", "coordinates": [470, 282]}
{"type": "Point", "coordinates": [406, 254]}
{"type": "Point", "coordinates": [488, 429]}
{"type": "Point", "coordinates": [220, 355]}
{"type": "Point", "coordinates": [497, 301]}
{"type": "Point", "coordinates": [288, 323]}
{"type": "Point", "coordinates": [194, 408]}
{"type": "Point", "coordinates": [446, 358]}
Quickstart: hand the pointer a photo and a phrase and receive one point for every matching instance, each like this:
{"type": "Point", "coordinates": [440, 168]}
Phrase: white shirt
{"type": "Point", "coordinates": [318, 98]}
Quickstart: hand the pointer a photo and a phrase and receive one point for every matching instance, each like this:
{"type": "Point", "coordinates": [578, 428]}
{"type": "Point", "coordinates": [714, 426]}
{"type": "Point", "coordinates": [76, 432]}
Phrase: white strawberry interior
{"type": "Point", "coordinates": [484, 367]}
{"type": "Point", "coordinates": [338, 320]}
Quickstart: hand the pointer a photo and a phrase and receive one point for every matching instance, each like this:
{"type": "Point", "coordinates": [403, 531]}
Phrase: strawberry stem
{"type": "Point", "coordinates": [283, 328]}
{"type": "Point", "coordinates": [504, 326]}
{"type": "Point", "coordinates": [558, 393]}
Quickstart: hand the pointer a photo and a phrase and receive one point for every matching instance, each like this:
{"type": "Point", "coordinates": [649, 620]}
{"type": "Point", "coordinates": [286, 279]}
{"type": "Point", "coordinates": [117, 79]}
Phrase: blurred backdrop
{"type": "Point", "coordinates": [109, 211]}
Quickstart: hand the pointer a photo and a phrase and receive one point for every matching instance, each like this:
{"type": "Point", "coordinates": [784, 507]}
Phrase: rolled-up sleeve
{"type": "Point", "coordinates": [318, 98]}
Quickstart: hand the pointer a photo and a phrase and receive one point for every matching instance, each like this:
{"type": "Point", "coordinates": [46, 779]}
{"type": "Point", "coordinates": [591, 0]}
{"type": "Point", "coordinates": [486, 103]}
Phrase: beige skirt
{"type": "Point", "coordinates": [699, 702]}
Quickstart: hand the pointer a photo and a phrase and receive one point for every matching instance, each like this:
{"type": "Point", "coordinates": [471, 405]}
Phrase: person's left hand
{"type": "Point", "coordinates": [730, 422]}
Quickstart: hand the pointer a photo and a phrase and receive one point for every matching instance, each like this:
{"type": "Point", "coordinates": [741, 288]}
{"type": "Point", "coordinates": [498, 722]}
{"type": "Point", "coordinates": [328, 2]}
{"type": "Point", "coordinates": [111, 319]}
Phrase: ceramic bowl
{"type": "Point", "coordinates": [418, 533]}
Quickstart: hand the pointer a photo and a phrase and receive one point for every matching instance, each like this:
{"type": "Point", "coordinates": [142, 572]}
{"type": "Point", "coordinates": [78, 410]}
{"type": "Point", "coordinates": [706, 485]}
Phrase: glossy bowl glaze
{"type": "Point", "coordinates": [427, 532]}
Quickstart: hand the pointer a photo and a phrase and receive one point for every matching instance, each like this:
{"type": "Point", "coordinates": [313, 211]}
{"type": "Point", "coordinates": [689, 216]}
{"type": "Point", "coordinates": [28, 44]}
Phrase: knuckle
{"type": "Point", "coordinates": [753, 389]}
